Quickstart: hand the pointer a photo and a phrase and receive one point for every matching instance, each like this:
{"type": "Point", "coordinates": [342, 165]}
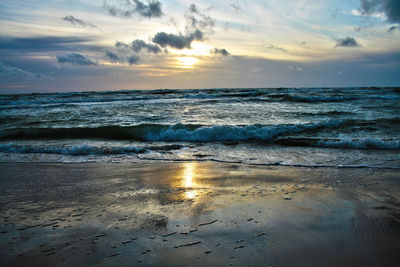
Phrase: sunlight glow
{"type": "Point", "coordinates": [187, 62]}
{"type": "Point", "coordinates": [197, 49]}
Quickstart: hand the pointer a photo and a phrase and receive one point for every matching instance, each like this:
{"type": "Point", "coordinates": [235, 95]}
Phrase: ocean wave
{"type": "Point", "coordinates": [328, 98]}
{"type": "Point", "coordinates": [307, 95]}
{"type": "Point", "coordinates": [366, 143]}
{"type": "Point", "coordinates": [298, 98]}
{"type": "Point", "coordinates": [219, 133]}
{"type": "Point", "coordinates": [363, 143]}
{"type": "Point", "coordinates": [76, 150]}
{"type": "Point", "coordinates": [176, 132]}
{"type": "Point", "coordinates": [59, 102]}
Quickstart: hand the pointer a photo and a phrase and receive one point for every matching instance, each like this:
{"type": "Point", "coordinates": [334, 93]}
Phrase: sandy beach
{"type": "Point", "coordinates": [199, 133]}
{"type": "Point", "coordinates": [197, 213]}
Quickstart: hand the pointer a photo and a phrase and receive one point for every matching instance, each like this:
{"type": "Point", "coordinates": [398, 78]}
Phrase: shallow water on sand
{"type": "Point", "coordinates": [197, 213]}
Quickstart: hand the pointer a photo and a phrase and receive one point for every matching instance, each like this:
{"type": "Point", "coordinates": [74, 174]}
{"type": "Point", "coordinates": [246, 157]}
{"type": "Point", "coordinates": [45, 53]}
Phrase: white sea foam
{"type": "Point", "coordinates": [84, 149]}
{"type": "Point", "coordinates": [361, 143]}
{"type": "Point", "coordinates": [218, 133]}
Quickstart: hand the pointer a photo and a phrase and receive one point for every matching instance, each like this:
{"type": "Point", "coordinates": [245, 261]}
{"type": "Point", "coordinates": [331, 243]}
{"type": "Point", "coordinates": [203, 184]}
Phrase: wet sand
{"type": "Point", "coordinates": [197, 213]}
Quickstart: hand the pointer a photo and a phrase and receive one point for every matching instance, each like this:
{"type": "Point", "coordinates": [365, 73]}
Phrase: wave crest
{"type": "Point", "coordinates": [366, 143]}
{"type": "Point", "coordinates": [75, 150]}
{"type": "Point", "coordinates": [176, 132]}
{"type": "Point", "coordinates": [219, 133]}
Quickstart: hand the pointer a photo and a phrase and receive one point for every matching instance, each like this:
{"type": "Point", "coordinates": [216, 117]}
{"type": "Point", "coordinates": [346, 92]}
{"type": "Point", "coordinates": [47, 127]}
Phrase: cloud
{"type": "Point", "coordinates": [133, 59]}
{"type": "Point", "coordinates": [10, 71]}
{"type": "Point", "coordinates": [138, 45]}
{"type": "Point", "coordinates": [112, 56]}
{"type": "Point", "coordinates": [197, 26]}
{"type": "Point", "coordinates": [124, 54]}
{"type": "Point", "coordinates": [347, 42]}
{"type": "Point", "coordinates": [177, 41]}
{"type": "Point", "coordinates": [391, 8]}
{"type": "Point", "coordinates": [153, 9]}
{"type": "Point", "coordinates": [46, 43]}
{"type": "Point", "coordinates": [76, 59]}
{"type": "Point", "coordinates": [127, 8]}
{"type": "Point", "coordinates": [198, 21]}
{"type": "Point", "coordinates": [193, 8]}
{"type": "Point", "coordinates": [393, 28]}
{"type": "Point", "coordinates": [121, 45]}
{"type": "Point", "coordinates": [236, 7]}
{"type": "Point", "coordinates": [220, 51]}
{"type": "Point", "coordinates": [79, 22]}
{"type": "Point", "coordinates": [273, 47]}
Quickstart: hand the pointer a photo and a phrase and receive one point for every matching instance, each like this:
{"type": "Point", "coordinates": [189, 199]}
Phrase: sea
{"type": "Point", "coordinates": [303, 127]}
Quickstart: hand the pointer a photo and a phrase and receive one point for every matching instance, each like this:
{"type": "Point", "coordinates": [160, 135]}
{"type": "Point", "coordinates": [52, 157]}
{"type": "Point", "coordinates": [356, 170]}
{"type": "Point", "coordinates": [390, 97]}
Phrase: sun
{"type": "Point", "coordinates": [187, 62]}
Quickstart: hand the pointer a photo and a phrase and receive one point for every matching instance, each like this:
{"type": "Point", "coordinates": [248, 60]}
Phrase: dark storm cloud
{"type": "Point", "coordinates": [347, 42]}
{"type": "Point", "coordinates": [112, 56]}
{"type": "Point", "coordinates": [47, 43]}
{"type": "Point", "coordinates": [391, 8]}
{"type": "Point", "coordinates": [75, 59]}
{"type": "Point", "coordinates": [220, 51]}
{"type": "Point", "coordinates": [79, 22]}
{"type": "Point", "coordinates": [177, 41]}
{"type": "Point", "coordinates": [197, 25]}
{"type": "Point", "coordinates": [393, 28]}
{"type": "Point", "coordinates": [121, 45]}
{"type": "Point", "coordinates": [10, 71]}
{"type": "Point", "coordinates": [125, 50]}
{"type": "Point", "coordinates": [153, 9]}
{"type": "Point", "coordinates": [138, 45]}
{"type": "Point", "coordinates": [133, 59]}
{"type": "Point", "coordinates": [121, 56]}
{"type": "Point", "coordinates": [193, 8]}
{"type": "Point", "coordinates": [128, 8]}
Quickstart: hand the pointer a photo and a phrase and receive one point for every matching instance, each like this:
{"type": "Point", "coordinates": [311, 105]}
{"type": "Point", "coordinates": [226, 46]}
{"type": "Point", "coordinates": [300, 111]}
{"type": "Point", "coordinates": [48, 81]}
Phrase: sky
{"type": "Point", "coordinates": [86, 45]}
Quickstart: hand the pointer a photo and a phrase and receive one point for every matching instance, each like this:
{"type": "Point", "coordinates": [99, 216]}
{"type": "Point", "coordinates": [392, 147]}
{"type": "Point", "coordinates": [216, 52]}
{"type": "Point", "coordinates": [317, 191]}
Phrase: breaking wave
{"type": "Point", "coordinates": [177, 132]}
{"type": "Point", "coordinates": [367, 143]}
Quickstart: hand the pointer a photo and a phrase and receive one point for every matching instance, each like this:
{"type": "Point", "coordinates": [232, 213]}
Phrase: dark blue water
{"type": "Point", "coordinates": [352, 127]}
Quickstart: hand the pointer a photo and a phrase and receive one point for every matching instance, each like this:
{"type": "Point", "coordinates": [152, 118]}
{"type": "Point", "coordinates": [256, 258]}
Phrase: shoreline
{"type": "Point", "coordinates": [217, 161]}
{"type": "Point", "coordinates": [198, 213]}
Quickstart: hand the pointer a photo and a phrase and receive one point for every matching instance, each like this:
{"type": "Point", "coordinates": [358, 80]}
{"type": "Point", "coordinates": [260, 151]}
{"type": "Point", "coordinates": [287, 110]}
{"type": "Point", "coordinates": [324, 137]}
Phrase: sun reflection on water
{"type": "Point", "coordinates": [188, 180]}
{"type": "Point", "coordinates": [190, 194]}
{"type": "Point", "coordinates": [188, 174]}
